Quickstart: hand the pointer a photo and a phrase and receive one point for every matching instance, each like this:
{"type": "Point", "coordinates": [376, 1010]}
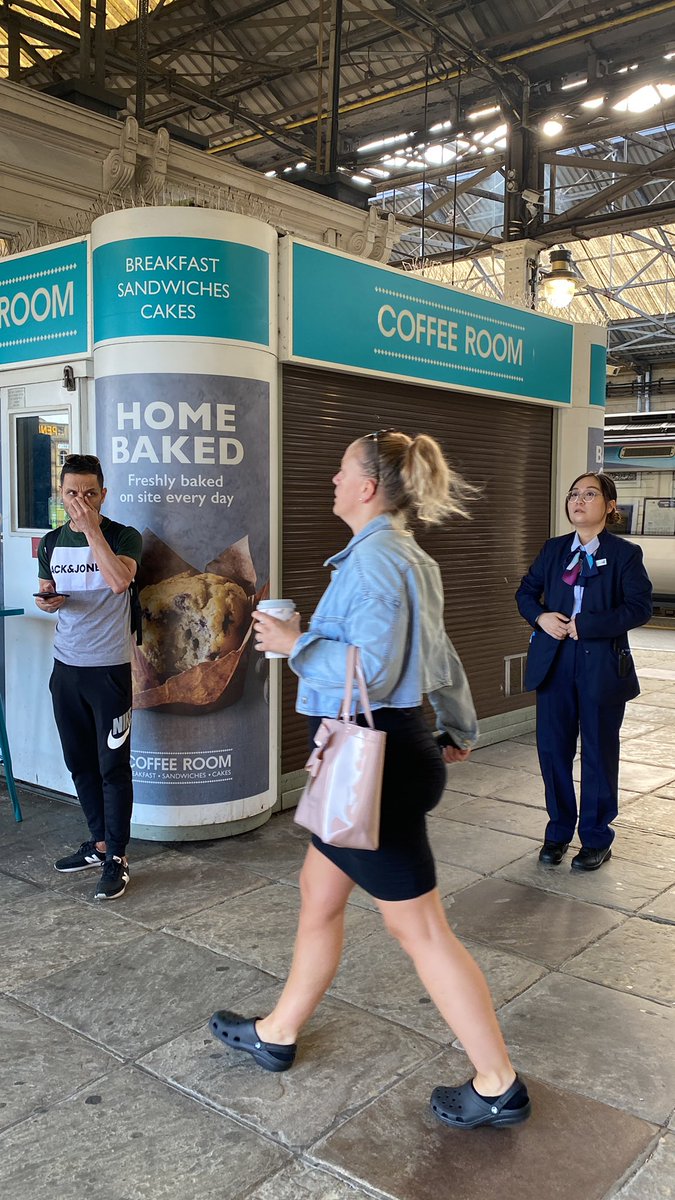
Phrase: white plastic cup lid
{"type": "Point", "coordinates": [267, 605]}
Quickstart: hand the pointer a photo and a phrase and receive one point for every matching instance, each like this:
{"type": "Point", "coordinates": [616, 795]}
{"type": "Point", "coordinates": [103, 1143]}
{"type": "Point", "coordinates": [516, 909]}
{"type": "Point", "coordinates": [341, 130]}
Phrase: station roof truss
{"type": "Point", "coordinates": [473, 121]}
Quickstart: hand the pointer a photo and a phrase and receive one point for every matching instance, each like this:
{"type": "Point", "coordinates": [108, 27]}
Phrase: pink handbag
{"type": "Point", "coordinates": [341, 801]}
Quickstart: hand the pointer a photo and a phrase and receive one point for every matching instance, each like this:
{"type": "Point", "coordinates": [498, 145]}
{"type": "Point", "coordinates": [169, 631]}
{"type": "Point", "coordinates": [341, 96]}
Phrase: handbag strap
{"type": "Point", "coordinates": [353, 668]}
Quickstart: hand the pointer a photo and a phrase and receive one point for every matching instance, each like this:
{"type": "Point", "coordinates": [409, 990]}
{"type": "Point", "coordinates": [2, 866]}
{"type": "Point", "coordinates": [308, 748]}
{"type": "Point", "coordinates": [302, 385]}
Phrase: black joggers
{"type": "Point", "coordinates": [92, 708]}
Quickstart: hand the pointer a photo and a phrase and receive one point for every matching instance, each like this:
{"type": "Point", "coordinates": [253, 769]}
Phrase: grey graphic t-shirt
{"type": "Point", "coordinates": [93, 626]}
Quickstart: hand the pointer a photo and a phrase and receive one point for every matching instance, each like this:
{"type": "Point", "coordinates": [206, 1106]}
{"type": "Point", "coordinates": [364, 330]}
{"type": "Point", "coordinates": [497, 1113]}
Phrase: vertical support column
{"type": "Point", "coordinates": [580, 428]}
{"type": "Point", "coordinates": [524, 172]}
{"type": "Point", "coordinates": [99, 43]}
{"type": "Point", "coordinates": [13, 46]}
{"type": "Point", "coordinates": [141, 60]}
{"type": "Point", "coordinates": [334, 55]}
{"type": "Point", "coordinates": [185, 364]}
{"type": "Point", "coordinates": [85, 39]}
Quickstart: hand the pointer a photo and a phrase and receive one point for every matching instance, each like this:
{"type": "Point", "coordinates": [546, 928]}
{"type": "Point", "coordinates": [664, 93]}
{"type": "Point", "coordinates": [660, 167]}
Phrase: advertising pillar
{"type": "Point", "coordinates": [186, 429]}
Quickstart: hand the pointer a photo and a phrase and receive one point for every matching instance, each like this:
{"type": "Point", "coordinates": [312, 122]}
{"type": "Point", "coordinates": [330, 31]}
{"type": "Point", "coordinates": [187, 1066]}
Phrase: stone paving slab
{"type": "Point", "coordinates": [512, 755]}
{"type": "Point", "coordinates": [345, 1059]}
{"type": "Point", "coordinates": [501, 815]}
{"type": "Point", "coordinates": [654, 751]}
{"type": "Point", "coordinates": [643, 776]}
{"type": "Point", "coordinates": [598, 1042]}
{"type": "Point", "coordinates": [474, 778]}
{"type": "Point", "coordinates": [301, 1182]}
{"type": "Point", "coordinates": [650, 849]}
{"type": "Point", "coordinates": [666, 697]}
{"type": "Point", "coordinates": [634, 728]}
{"type": "Point", "coordinates": [619, 883]}
{"type": "Point", "coordinates": [41, 932]}
{"type": "Point", "coordinates": [668, 791]}
{"type": "Point", "coordinates": [651, 713]}
{"type": "Point", "coordinates": [661, 909]}
{"type": "Point", "coordinates": [654, 813]}
{"type": "Point", "coordinates": [170, 886]}
{"type": "Point", "coordinates": [399, 1147]}
{"type": "Point", "coordinates": [637, 958]}
{"type": "Point", "coordinates": [274, 850]}
{"type": "Point", "coordinates": [378, 976]}
{"type": "Point", "coordinates": [42, 1063]}
{"type": "Point", "coordinates": [660, 735]}
{"type": "Point", "coordinates": [524, 920]}
{"type": "Point", "coordinates": [655, 1180]}
{"type": "Point", "coordinates": [449, 801]}
{"type": "Point", "coordinates": [134, 998]}
{"type": "Point", "coordinates": [454, 842]}
{"type": "Point", "coordinates": [131, 1137]}
{"type": "Point", "coordinates": [259, 927]}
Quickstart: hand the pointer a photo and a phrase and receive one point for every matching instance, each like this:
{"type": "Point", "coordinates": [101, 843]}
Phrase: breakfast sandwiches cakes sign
{"type": "Point", "coordinates": [185, 378]}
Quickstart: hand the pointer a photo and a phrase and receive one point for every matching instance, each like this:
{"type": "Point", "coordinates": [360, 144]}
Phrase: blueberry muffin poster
{"type": "Point", "coordinates": [186, 460]}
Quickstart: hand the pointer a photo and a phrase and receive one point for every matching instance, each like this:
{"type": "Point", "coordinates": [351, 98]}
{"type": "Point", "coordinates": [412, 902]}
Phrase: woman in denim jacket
{"type": "Point", "coordinates": [386, 597]}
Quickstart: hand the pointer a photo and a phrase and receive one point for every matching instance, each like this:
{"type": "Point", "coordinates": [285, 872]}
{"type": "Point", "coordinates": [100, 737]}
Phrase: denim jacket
{"type": "Point", "coordinates": [386, 597]}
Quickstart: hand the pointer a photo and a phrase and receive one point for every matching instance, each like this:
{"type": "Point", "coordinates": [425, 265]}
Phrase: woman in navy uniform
{"type": "Point", "coordinates": [581, 595]}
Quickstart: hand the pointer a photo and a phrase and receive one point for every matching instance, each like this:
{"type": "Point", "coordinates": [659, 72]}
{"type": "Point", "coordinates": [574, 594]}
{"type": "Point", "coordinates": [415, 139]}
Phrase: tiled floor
{"type": "Point", "coordinates": [112, 1089]}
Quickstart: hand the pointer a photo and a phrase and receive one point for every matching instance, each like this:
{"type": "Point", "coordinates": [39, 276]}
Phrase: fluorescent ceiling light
{"type": "Point", "coordinates": [396, 161]}
{"type": "Point", "coordinates": [482, 112]}
{"type": "Point", "coordinates": [270, 174]}
{"type": "Point", "coordinates": [552, 127]}
{"type": "Point", "coordinates": [439, 126]}
{"type": "Point", "coordinates": [380, 143]}
{"type": "Point", "coordinates": [361, 179]}
{"type": "Point", "coordinates": [488, 149]}
{"type": "Point", "coordinates": [300, 166]}
{"type": "Point", "coordinates": [594, 103]}
{"type": "Point", "coordinates": [567, 87]}
{"type": "Point", "coordinates": [376, 171]}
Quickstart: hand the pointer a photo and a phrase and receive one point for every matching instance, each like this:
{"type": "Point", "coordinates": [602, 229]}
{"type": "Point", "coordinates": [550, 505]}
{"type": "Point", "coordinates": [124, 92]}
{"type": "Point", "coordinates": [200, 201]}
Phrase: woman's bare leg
{"type": "Point", "coordinates": [324, 891]}
{"type": "Point", "coordinates": [455, 983]}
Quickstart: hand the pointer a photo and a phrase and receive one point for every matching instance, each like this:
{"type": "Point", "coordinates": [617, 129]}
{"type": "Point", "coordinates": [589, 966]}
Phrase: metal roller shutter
{"type": "Point", "coordinates": [501, 446]}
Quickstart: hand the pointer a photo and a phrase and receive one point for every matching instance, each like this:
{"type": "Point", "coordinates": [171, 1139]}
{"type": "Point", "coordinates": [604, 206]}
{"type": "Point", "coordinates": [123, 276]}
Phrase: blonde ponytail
{"type": "Point", "coordinates": [415, 477]}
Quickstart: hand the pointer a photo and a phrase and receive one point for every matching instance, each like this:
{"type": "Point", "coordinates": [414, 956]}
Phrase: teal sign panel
{"type": "Point", "coordinates": [598, 380]}
{"type": "Point", "coordinates": [181, 287]}
{"type": "Point", "coordinates": [354, 314]}
{"type": "Point", "coordinates": [44, 306]}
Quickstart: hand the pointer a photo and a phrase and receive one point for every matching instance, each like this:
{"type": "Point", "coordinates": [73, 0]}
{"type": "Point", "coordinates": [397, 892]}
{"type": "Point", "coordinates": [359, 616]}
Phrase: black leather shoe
{"type": "Point", "coordinates": [589, 859]}
{"type": "Point", "coordinates": [552, 853]}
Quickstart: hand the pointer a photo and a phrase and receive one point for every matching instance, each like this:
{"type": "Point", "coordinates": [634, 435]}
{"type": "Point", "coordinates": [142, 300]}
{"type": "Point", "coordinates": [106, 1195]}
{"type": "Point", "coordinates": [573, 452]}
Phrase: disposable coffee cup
{"type": "Point", "coordinates": [283, 611]}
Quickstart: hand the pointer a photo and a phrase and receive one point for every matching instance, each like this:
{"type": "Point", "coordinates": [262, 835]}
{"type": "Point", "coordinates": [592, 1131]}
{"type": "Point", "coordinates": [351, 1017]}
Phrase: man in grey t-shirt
{"type": "Point", "coordinates": [85, 570]}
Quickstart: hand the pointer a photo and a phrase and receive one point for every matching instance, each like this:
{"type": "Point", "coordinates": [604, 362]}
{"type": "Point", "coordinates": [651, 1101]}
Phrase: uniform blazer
{"type": "Point", "coordinates": [615, 600]}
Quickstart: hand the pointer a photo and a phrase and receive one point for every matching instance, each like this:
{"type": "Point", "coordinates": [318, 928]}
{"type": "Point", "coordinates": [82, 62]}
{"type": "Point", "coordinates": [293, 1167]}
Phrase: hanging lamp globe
{"type": "Point", "coordinates": [559, 285]}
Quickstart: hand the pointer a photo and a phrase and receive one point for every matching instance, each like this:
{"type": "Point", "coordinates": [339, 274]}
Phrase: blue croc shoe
{"type": "Point", "coordinates": [464, 1108]}
{"type": "Point", "coordinates": [239, 1033]}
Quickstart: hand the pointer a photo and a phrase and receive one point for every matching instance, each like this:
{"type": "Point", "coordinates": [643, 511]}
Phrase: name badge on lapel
{"type": "Point", "coordinates": [601, 562]}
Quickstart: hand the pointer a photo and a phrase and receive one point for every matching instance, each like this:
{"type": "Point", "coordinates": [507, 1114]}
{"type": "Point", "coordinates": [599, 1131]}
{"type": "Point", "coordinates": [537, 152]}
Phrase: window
{"type": "Point", "coordinates": [42, 442]}
{"type": "Point", "coordinates": [646, 502]}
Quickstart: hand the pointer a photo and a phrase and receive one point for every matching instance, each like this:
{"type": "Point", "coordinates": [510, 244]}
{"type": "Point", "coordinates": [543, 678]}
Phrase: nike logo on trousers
{"type": "Point", "coordinates": [115, 742]}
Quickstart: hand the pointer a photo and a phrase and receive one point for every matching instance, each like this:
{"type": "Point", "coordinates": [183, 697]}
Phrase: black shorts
{"type": "Point", "coordinates": [414, 778]}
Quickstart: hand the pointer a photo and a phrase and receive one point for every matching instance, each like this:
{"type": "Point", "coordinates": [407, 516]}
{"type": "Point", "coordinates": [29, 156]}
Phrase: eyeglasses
{"type": "Point", "coordinates": [583, 497]}
{"type": "Point", "coordinates": [375, 437]}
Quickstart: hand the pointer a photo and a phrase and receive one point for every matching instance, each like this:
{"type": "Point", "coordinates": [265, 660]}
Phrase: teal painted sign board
{"type": "Point", "coordinates": [598, 380]}
{"type": "Point", "coordinates": [181, 286]}
{"type": "Point", "coordinates": [352, 314]}
{"type": "Point", "coordinates": [44, 305]}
